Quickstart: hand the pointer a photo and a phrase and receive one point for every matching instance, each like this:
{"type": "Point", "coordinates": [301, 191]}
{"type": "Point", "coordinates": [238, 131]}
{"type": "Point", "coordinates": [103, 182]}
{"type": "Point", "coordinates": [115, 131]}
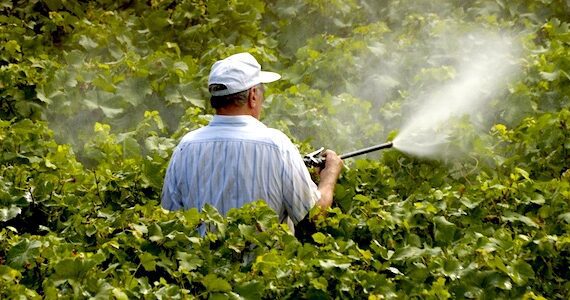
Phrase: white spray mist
{"type": "Point", "coordinates": [480, 76]}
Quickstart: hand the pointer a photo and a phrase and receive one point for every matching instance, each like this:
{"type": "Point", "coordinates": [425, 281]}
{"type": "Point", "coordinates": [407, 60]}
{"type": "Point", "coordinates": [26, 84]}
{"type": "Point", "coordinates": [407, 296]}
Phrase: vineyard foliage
{"type": "Point", "coordinates": [94, 95]}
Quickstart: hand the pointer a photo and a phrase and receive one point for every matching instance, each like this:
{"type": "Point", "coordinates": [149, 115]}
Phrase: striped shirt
{"type": "Point", "coordinates": [236, 160]}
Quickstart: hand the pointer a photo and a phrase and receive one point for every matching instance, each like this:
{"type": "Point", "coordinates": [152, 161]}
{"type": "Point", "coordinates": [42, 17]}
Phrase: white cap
{"type": "Point", "coordinates": [238, 73]}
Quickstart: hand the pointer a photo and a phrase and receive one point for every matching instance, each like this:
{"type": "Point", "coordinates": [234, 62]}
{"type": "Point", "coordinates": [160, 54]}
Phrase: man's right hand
{"type": "Point", "coordinates": [333, 165]}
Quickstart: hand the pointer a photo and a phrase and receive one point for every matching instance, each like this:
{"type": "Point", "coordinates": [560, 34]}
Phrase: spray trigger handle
{"type": "Point", "coordinates": [314, 159]}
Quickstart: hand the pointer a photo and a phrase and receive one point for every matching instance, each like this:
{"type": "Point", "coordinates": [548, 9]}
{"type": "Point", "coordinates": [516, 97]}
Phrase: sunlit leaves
{"type": "Point", "coordinates": [22, 255]}
{"type": "Point", "coordinates": [7, 213]}
{"type": "Point", "coordinates": [121, 81]}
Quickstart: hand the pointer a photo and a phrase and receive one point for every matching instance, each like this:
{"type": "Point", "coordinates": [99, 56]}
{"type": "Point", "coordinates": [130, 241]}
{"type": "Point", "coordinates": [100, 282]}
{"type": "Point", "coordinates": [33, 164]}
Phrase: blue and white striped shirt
{"type": "Point", "coordinates": [236, 160]}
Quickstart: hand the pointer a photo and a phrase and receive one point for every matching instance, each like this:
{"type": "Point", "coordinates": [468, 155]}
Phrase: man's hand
{"type": "Point", "coordinates": [328, 177]}
{"type": "Point", "coordinates": [333, 165]}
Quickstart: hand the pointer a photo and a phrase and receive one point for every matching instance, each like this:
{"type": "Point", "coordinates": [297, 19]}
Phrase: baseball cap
{"type": "Point", "coordinates": [237, 73]}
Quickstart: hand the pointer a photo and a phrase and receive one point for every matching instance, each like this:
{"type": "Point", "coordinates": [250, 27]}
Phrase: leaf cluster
{"type": "Point", "coordinates": [94, 96]}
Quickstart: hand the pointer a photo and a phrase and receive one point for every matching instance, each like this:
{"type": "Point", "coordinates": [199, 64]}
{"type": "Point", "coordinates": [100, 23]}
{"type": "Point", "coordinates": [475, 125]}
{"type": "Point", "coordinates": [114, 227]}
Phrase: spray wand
{"type": "Point", "coordinates": [314, 159]}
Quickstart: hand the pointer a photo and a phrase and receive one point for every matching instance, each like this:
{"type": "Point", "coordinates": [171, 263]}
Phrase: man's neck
{"type": "Point", "coordinates": [234, 112]}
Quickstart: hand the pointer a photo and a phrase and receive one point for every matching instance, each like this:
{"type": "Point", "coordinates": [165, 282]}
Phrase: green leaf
{"type": "Point", "coordinates": [78, 267]}
{"type": "Point", "coordinates": [9, 213]}
{"type": "Point", "coordinates": [12, 47]}
{"type": "Point", "coordinates": [550, 76]}
{"type": "Point", "coordinates": [521, 272]}
{"type": "Point", "coordinates": [192, 216]}
{"type": "Point", "coordinates": [188, 261]}
{"type": "Point", "coordinates": [75, 58]}
{"type": "Point", "coordinates": [444, 230]}
{"type": "Point", "coordinates": [131, 147]}
{"type": "Point", "coordinates": [70, 268]}
{"type": "Point", "coordinates": [196, 102]}
{"type": "Point", "coordinates": [377, 49]}
{"type": "Point", "coordinates": [181, 66]}
{"type": "Point", "coordinates": [107, 111]}
{"type": "Point", "coordinates": [23, 254]}
{"type": "Point", "coordinates": [87, 43]}
{"type": "Point", "coordinates": [468, 203]}
{"type": "Point", "coordinates": [499, 280]}
{"type": "Point", "coordinates": [215, 284]}
{"type": "Point", "coordinates": [6, 4]}
{"type": "Point", "coordinates": [9, 274]}
{"type": "Point", "coordinates": [319, 237]}
{"type": "Point", "coordinates": [155, 233]}
{"type": "Point", "coordinates": [119, 294]}
{"type": "Point", "coordinates": [251, 290]}
{"type": "Point", "coordinates": [330, 263]}
{"type": "Point", "coordinates": [148, 261]}
{"type": "Point", "coordinates": [515, 217]}
{"type": "Point", "coordinates": [104, 84]}
{"type": "Point", "coordinates": [133, 90]}
{"type": "Point", "coordinates": [414, 253]}
{"type": "Point", "coordinates": [248, 231]}
{"type": "Point", "coordinates": [523, 173]}
{"type": "Point", "coordinates": [319, 283]}
{"type": "Point", "coordinates": [565, 217]}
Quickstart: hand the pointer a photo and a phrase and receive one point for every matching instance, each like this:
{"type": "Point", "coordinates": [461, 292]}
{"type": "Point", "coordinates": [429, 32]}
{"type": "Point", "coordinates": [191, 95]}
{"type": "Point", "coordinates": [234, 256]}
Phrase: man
{"type": "Point", "coordinates": [236, 159]}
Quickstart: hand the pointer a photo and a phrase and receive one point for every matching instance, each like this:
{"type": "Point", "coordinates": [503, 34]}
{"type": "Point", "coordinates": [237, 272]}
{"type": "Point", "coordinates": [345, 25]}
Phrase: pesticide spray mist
{"type": "Point", "coordinates": [480, 76]}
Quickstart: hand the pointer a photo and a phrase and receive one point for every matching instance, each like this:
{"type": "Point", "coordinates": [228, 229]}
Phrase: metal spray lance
{"type": "Point", "coordinates": [314, 159]}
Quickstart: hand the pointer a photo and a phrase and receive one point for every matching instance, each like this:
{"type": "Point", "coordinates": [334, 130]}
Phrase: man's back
{"type": "Point", "coordinates": [235, 160]}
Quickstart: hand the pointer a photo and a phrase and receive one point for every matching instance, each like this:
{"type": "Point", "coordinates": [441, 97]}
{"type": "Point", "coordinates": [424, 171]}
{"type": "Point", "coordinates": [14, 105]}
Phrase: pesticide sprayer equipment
{"type": "Point", "coordinates": [314, 159]}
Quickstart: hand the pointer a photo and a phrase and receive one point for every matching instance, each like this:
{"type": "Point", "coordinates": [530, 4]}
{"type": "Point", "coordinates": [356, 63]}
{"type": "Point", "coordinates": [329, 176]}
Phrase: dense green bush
{"type": "Point", "coordinates": [94, 96]}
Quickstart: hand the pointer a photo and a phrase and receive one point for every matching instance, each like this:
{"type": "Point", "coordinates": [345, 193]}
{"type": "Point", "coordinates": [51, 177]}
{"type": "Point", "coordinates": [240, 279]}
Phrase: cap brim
{"type": "Point", "coordinates": [267, 77]}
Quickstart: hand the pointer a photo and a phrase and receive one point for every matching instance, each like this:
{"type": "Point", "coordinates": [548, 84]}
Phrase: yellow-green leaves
{"type": "Point", "coordinates": [119, 82]}
{"type": "Point", "coordinates": [216, 284]}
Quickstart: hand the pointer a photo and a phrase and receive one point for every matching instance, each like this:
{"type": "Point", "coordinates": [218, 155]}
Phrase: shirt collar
{"type": "Point", "coordinates": [241, 120]}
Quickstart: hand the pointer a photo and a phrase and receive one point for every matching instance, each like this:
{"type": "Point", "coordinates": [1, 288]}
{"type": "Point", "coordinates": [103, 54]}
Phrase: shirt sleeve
{"type": "Point", "coordinates": [299, 191]}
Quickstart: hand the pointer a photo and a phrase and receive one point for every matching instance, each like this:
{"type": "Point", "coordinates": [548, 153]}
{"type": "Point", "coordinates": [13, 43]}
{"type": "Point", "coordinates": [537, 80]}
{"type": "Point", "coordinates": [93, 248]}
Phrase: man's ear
{"type": "Point", "coordinates": [252, 99]}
